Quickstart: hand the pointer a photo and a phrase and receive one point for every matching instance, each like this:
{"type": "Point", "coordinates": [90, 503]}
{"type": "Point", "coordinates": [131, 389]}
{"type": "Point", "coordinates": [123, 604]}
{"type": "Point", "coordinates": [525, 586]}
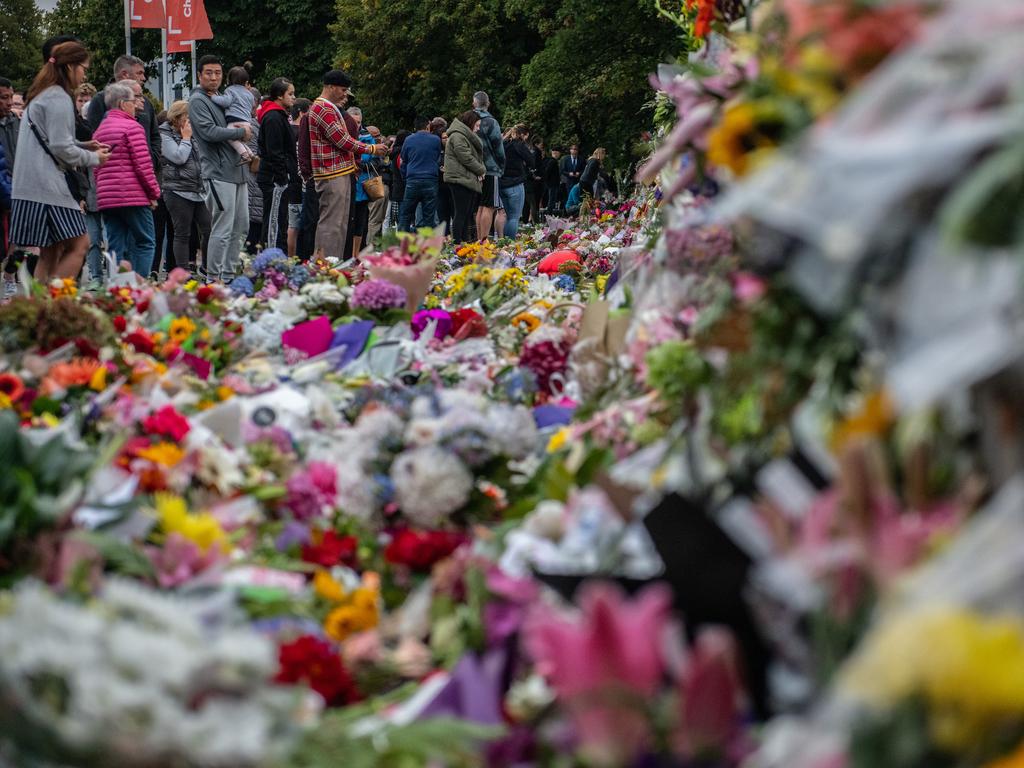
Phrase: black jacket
{"type": "Point", "coordinates": [551, 172]}
{"type": "Point", "coordinates": [278, 162]}
{"type": "Point", "coordinates": [97, 108]}
{"type": "Point", "coordinates": [518, 164]}
{"type": "Point", "coordinates": [590, 174]}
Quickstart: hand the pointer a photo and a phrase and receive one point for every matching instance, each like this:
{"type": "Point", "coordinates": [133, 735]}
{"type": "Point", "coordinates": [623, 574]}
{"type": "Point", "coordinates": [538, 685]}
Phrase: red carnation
{"type": "Point", "coordinates": [468, 323]}
{"type": "Point", "coordinates": [167, 422]}
{"type": "Point", "coordinates": [545, 359]}
{"type": "Point", "coordinates": [314, 662]}
{"type": "Point", "coordinates": [120, 324]}
{"type": "Point", "coordinates": [419, 550]}
{"type": "Point", "coordinates": [205, 294]}
{"type": "Point", "coordinates": [141, 341]}
{"type": "Point", "coordinates": [330, 550]}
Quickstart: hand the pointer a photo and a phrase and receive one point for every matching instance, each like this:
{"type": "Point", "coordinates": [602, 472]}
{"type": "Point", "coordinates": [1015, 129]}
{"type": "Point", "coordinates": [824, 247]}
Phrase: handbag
{"type": "Point", "coordinates": [70, 178]}
{"type": "Point", "coordinates": [373, 185]}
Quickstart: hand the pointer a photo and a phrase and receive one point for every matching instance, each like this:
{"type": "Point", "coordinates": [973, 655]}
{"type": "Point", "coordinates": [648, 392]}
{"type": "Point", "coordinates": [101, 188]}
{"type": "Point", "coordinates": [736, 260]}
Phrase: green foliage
{"type": "Point", "coordinates": [589, 82]}
{"type": "Point", "coordinates": [20, 41]}
{"type": "Point", "coordinates": [572, 71]}
{"type": "Point", "coordinates": [282, 38]}
{"type": "Point", "coordinates": [676, 369]}
{"type": "Point", "coordinates": [438, 741]}
{"type": "Point", "coordinates": [99, 24]}
{"type": "Point", "coordinates": [43, 479]}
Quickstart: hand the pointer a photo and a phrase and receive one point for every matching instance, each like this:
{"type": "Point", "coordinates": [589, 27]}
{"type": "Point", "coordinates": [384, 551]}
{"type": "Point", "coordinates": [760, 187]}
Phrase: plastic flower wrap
{"type": "Point", "coordinates": [139, 676]}
{"type": "Point", "coordinates": [410, 263]}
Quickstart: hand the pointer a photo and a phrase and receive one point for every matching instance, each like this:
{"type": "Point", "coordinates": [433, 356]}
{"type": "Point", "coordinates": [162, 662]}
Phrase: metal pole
{"type": "Point", "coordinates": [128, 27]}
{"type": "Point", "coordinates": [165, 80]}
{"type": "Point", "coordinates": [193, 65]}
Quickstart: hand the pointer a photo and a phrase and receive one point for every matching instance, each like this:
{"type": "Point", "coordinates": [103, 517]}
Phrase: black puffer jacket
{"type": "Point", "coordinates": [518, 164]}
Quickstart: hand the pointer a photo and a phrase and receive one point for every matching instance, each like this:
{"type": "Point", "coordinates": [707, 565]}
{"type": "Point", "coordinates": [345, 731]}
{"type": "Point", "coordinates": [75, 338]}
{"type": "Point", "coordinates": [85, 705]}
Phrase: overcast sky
{"type": "Point", "coordinates": [46, 5]}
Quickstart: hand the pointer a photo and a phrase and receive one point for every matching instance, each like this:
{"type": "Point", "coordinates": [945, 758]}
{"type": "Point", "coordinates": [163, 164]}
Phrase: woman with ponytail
{"type": "Point", "coordinates": [44, 212]}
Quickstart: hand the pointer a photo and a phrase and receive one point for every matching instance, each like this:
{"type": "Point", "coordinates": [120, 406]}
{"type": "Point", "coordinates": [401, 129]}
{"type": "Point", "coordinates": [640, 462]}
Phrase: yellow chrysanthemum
{"type": "Point", "coordinates": [181, 328]}
{"type": "Point", "coordinates": [203, 529]}
{"type": "Point", "coordinates": [526, 321]}
{"type": "Point", "coordinates": [968, 668]}
{"type": "Point", "coordinates": [348, 620]}
{"type": "Point", "coordinates": [165, 454]}
{"type": "Point", "coordinates": [326, 587]}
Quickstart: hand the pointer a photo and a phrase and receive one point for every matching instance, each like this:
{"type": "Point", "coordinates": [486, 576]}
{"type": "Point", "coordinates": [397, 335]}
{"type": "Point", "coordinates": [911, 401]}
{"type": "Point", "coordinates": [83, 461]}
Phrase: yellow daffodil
{"type": "Point", "coordinates": [203, 529]}
{"type": "Point", "coordinates": [558, 440]}
{"type": "Point", "coordinates": [98, 382]}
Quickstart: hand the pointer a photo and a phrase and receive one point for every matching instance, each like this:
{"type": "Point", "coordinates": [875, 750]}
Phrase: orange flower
{"type": "Point", "coordinates": [74, 373]}
{"type": "Point", "coordinates": [165, 454]}
{"type": "Point", "coordinates": [527, 321]}
{"type": "Point", "coordinates": [11, 386]}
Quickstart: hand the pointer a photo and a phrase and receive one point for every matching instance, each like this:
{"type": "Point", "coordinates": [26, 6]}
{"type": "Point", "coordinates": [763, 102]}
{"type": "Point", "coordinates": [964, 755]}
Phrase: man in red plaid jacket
{"type": "Point", "coordinates": [332, 151]}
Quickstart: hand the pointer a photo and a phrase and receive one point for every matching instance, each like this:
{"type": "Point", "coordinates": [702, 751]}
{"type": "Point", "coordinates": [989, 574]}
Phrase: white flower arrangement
{"type": "Point", "coordinates": [141, 678]}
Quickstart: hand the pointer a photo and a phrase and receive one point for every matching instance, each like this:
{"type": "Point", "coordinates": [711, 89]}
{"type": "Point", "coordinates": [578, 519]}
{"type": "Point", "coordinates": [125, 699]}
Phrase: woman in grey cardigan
{"type": "Point", "coordinates": [184, 191]}
{"type": "Point", "coordinates": [44, 213]}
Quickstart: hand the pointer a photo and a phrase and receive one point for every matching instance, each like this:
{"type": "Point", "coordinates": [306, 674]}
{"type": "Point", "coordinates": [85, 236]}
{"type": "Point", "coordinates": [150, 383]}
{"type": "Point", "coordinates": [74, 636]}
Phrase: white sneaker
{"type": "Point", "coordinates": [10, 290]}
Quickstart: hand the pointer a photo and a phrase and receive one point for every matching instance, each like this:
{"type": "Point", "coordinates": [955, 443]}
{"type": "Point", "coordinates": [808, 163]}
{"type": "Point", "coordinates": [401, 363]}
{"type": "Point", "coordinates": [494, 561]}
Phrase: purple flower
{"type": "Point", "coordinates": [422, 319]}
{"type": "Point", "coordinates": [293, 533]}
{"type": "Point", "coordinates": [376, 295]}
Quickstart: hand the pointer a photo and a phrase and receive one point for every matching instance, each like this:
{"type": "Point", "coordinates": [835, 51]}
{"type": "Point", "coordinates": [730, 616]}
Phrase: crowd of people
{"type": "Point", "coordinates": [87, 171]}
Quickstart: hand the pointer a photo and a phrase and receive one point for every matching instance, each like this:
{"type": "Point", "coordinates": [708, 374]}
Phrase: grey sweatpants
{"type": "Point", "coordinates": [229, 207]}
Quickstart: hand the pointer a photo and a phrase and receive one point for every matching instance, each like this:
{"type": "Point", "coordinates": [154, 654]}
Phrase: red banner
{"type": "Point", "coordinates": [147, 14]}
{"type": "Point", "coordinates": [187, 20]}
{"type": "Point", "coordinates": [176, 45]}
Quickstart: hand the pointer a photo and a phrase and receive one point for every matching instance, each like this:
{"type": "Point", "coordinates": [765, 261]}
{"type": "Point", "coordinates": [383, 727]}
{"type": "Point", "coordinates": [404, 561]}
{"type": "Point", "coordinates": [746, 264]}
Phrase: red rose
{"type": "Point", "coordinates": [330, 550]}
{"type": "Point", "coordinates": [86, 348]}
{"type": "Point", "coordinates": [468, 323]}
{"type": "Point", "coordinates": [167, 422]}
{"type": "Point", "coordinates": [120, 324]}
{"type": "Point", "coordinates": [141, 341]}
{"type": "Point", "coordinates": [313, 661]}
{"type": "Point", "coordinates": [419, 550]}
{"type": "Point", "coordinates": [206, 294]}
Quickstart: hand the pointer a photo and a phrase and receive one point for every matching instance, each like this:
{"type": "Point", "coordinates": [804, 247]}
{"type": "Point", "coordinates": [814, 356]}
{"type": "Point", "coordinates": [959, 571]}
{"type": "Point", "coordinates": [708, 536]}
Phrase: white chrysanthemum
{"type": "Point", "coordinates": [512, 430]}
{"type": "Point", "coordinates": [379, 424]}
{"type": "Point", "coordinates": [430, 483]}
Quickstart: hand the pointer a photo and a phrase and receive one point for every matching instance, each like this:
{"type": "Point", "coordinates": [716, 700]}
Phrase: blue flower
{"type": "Point", "coordinates": [299, 276]}
{"type": "Point", "coordinates": [242, 285]}
{"type": "Point", "coordinates": [267, 258]}
{"type": "Point", "coordinates": [565, 283]}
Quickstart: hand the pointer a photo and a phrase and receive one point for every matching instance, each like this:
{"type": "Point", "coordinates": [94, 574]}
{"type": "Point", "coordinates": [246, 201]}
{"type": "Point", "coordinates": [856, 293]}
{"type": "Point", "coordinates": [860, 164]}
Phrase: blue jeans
{"type": "Point", "coordinates": [512, 199]}
{"type": "Point", "coordinates": [94, 226]}
{"type": "Point", "coordinates": [131, 236]}
{"type": "Point", "coordinates": [418, 191]}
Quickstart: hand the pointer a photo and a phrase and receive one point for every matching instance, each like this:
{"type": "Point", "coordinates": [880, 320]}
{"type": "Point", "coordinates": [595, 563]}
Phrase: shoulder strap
{"type": "Point", "coordinates": [42, 139]}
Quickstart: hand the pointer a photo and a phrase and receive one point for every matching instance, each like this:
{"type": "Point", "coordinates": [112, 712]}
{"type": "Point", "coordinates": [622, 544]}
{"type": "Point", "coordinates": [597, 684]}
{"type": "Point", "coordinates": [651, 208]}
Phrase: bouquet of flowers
{"type": "Point", "coordinates": [409, 261]}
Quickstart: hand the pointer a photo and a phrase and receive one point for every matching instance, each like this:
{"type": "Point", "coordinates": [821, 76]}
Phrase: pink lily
{"type": "Point", "coordinates": [605, 665]}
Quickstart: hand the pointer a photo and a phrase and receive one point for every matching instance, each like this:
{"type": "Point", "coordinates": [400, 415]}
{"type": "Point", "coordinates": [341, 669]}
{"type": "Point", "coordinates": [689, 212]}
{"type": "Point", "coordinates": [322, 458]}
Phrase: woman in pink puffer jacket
{"type": "Point", "coordinates": [126, 187]}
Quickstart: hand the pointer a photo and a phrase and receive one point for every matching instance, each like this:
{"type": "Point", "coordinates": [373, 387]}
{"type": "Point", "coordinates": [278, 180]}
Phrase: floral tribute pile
{"type": "Point", "coordinates": [721, 474]}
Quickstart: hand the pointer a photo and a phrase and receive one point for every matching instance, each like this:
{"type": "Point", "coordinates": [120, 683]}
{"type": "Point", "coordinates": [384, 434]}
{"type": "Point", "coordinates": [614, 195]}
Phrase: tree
{"type": "Point", "coordinates": [20, 41]}
{"type": "Point", "coordinates": [590, 82]}
{"type": "Point", "coordinates": [282, 38]}
{"type": "Point", "coordinates": [99, 24]}
{"type": "Point", "coordinates": [407, 57]}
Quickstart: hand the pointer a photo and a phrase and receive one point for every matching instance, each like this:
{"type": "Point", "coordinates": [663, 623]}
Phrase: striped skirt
{"type": "Point", "coordinates": [42, 225]}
